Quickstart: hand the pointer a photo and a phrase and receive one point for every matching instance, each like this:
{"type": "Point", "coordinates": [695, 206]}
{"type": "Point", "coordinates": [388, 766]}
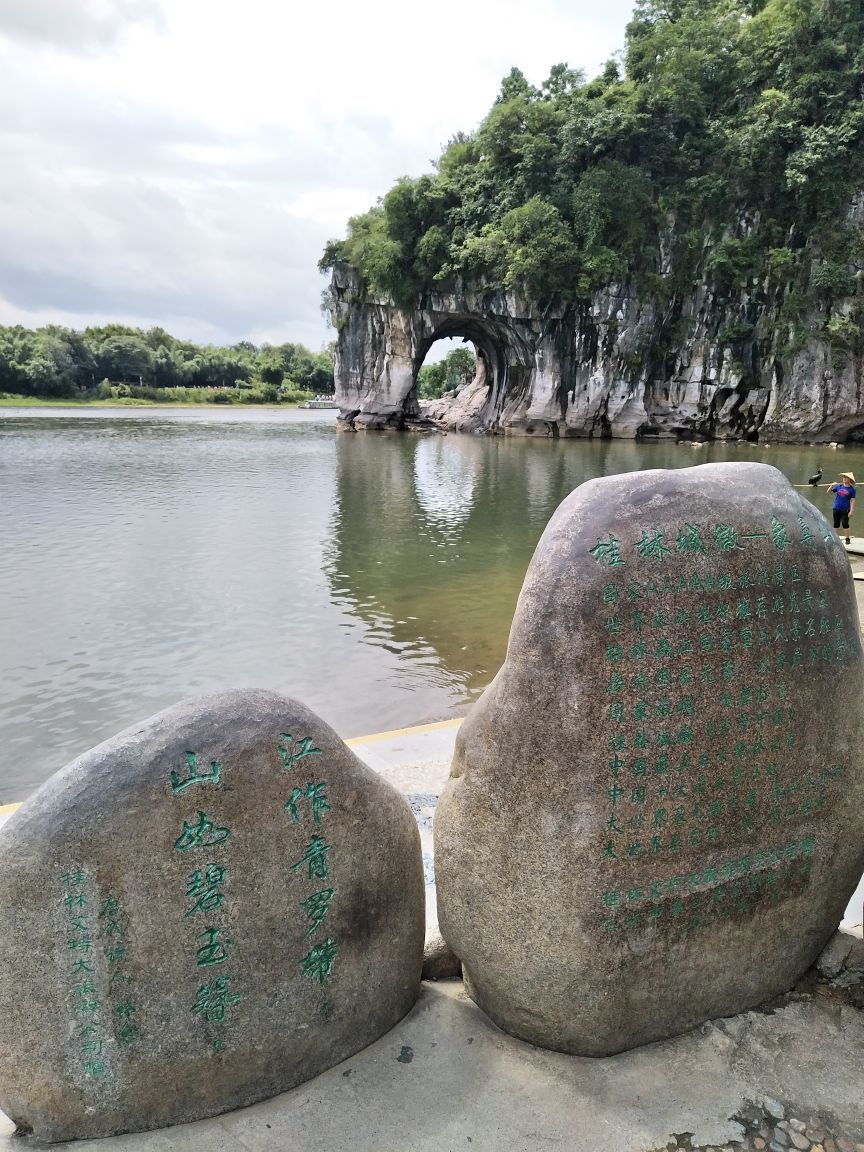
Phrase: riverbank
{"type": "Point", "coordinates": [12, 401]}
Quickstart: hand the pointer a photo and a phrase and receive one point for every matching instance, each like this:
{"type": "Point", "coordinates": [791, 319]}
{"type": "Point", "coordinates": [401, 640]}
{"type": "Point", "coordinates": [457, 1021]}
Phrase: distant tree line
{"type": "Point", "coordinates": [456, 369]}
{"type": "Point", "coordinates": [117, 361]}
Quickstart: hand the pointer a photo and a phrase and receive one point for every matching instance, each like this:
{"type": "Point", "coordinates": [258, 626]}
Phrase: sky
{"type": "Point", "coordinates": [183, 162]}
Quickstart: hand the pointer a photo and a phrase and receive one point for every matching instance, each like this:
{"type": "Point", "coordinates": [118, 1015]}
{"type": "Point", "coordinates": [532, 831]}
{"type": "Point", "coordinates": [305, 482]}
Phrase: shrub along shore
{"type": "Point", "coordinates": [116, 364]}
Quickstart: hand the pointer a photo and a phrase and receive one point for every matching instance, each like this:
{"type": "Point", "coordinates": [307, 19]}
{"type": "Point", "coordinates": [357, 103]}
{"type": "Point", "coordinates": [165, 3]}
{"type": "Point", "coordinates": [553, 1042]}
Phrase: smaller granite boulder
{"type": "Point", "coordinates": [440, 962]}
{"type": "Point", "coordinates": [211, 908]}
{"type": "Point", "coordinates": [835, 954]}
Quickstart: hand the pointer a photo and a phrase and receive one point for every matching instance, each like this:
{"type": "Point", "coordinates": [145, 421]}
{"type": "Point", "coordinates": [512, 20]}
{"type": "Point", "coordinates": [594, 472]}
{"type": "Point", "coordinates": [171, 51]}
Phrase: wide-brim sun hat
{"type": "Point", "coordinates": [849, 476]}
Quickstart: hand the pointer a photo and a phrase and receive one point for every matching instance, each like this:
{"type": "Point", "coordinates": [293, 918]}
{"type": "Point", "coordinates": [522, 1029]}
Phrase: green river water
{"type": "Point", "coordinates": [151, 554]}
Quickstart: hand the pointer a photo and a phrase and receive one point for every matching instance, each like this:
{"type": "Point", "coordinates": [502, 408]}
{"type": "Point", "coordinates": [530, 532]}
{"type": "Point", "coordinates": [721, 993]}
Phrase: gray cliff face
{"type": "Point", "coordinates": [701, 365]}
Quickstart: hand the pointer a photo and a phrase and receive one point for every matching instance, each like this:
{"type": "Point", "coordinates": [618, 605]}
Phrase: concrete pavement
{"type": "Point", "coordinates": [447, 1079]}
{"type": "Point", "coordinates": [417, 762]}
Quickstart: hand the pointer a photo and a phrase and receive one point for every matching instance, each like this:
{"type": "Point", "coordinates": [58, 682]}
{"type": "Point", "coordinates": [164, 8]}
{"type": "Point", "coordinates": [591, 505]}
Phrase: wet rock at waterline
{"type": "Point", "coordinates": [210, 908]}
{"type": "Point", "coordinates": [655, 813]}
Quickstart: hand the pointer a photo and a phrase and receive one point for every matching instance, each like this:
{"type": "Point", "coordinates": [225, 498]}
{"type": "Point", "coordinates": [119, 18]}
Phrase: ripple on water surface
{"type": "Point", "coordinates": [151, 555]}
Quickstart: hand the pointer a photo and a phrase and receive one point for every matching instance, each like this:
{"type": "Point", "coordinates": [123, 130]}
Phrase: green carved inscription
{"type": "Point", "coordinates": [314, 858]}
{"type": "Point", "coordinates": [317, 798]}
{"type": "Point", "coordinates": [203, 834]}
{"type": "Point", "coordinates": [212, 950]}
{"type": "Point", "coordinates": [214, 999]}
{"type": "Point", "coordinates": [204, 887]}
{"type": "Point", "coordinates": [738, 652]}
{"type": "Point", "coordinates": [311, 800]}
{"type": "Point", "coordinates": [317, 964]}
{"type": "Point", "coordinates": [197, 775]}
{"type": "Point", "coordinates": [97, 928]}
{"type": "Point", "coordinates": [293, 749]}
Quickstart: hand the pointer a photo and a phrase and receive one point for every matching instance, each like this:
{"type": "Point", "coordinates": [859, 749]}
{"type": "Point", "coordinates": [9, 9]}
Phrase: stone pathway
{"type": "Point", "coordinates": [772, 1127]}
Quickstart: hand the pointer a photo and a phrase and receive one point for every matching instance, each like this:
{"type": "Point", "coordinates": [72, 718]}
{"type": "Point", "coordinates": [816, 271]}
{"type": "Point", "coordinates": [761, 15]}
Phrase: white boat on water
{"type": "Point", "coordinates": [320, 402]}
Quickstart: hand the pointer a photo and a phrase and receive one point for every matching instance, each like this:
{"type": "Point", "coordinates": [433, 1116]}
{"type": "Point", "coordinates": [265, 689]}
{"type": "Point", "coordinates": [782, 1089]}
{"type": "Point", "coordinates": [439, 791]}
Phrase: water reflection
{"type": "Point", "coordinates": [431, 537]}
{"type": "Point", "coordinates": [445, 475]}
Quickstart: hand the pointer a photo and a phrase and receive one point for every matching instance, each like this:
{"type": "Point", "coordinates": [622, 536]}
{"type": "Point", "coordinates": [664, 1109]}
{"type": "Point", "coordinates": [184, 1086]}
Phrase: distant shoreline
{"type": "Point", "coordinates": [7, 401]}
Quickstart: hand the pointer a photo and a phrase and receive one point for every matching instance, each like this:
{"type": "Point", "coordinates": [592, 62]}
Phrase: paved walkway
{"type": "Point", "coordinates": [446, 1079]}
{"type": "Point", "coordinates": [417, 762]}
{"type": "Point", "coordinates": [856, 548]}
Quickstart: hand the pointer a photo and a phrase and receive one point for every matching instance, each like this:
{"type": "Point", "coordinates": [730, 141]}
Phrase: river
{"type": "Point", "coordinates": [153, 554]}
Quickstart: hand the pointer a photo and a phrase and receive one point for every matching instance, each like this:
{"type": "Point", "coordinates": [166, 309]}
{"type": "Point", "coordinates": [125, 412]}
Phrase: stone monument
{"type": "Point", "coordinates": [655, 813]}
{"type": "Point", "coordinates": [214, 906]}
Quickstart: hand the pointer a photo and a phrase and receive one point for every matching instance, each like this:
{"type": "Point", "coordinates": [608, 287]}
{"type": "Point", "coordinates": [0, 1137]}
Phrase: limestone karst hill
{"type": "Point", "coordinates": [673, 248]}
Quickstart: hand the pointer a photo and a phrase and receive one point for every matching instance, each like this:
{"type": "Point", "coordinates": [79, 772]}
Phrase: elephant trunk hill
{"type": "Point", "coordinates": [617, 366]}
{"type": "Point", "coordinates": [675, 248]}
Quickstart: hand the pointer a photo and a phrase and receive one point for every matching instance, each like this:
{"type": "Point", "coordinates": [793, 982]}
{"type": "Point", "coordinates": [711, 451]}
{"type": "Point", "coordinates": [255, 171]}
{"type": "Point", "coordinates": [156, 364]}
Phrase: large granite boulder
{"type": "Point", "coordinates": [212, 907]}
{"type": "Point", "coordinates": [655, 813]}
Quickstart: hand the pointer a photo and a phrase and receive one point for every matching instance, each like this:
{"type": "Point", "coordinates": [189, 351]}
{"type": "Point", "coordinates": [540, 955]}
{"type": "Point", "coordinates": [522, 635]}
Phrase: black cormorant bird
{"type": "Point", "coordinates": [814, 480]}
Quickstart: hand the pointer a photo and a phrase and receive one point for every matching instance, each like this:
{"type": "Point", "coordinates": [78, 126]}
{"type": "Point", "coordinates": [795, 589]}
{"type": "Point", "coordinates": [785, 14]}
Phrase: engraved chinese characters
{"type": "Point", "coordinates": [212, 907]}
{"type": "Point", "coordinates": [657, 804]}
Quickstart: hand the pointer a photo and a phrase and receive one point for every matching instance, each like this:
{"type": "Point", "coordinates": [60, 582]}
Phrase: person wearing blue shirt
{"type": "Point", "coordinates": [844, 502]}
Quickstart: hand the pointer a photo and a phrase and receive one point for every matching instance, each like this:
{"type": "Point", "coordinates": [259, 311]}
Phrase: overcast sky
{"type": "Point", "coordinates": [182, 162]}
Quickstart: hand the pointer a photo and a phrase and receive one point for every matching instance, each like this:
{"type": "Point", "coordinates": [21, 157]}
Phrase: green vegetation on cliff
{"type": "Point", "coordinates": [117, 362]}
{"type": "Point", "coordinates": [733, 123]}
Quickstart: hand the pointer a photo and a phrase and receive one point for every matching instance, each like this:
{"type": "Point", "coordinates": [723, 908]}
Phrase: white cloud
{"type": "Point", "coordinates": [74, 25]}
{"type": "Point", "coordinates": [184, 165]}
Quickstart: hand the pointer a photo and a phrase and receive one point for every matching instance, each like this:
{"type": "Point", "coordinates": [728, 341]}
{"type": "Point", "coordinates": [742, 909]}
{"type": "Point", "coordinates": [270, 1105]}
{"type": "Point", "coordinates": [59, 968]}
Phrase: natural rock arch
{"type": "Point", "coordinates": [381, 348]}
{"type": "Point", "coordinates": [505, 365]}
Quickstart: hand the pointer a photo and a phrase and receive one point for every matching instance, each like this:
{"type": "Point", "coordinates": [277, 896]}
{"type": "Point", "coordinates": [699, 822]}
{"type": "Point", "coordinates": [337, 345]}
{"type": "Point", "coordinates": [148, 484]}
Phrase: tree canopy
{"type": "Point", "coordinates": [115, 359]}
{"type": "Point", "coordinates": [719, 111]}
{"type": "Point", "coordinates": [449, 374]}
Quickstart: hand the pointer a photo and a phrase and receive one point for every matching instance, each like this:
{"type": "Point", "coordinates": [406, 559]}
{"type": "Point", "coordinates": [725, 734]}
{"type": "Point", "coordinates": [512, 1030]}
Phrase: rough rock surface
{"type": "Point", "coordinates": [835, 954]}
{"type": "Point", "coordinates": [461, 411]}
{"type": "Point", "coordinates": [700, 365]}
{"type": "Point", "coordinates": [663, 779]}
{"type": "Point", "coordinates": [210, 908]}
{"type": "Point", "coordinates": [439, 960]}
